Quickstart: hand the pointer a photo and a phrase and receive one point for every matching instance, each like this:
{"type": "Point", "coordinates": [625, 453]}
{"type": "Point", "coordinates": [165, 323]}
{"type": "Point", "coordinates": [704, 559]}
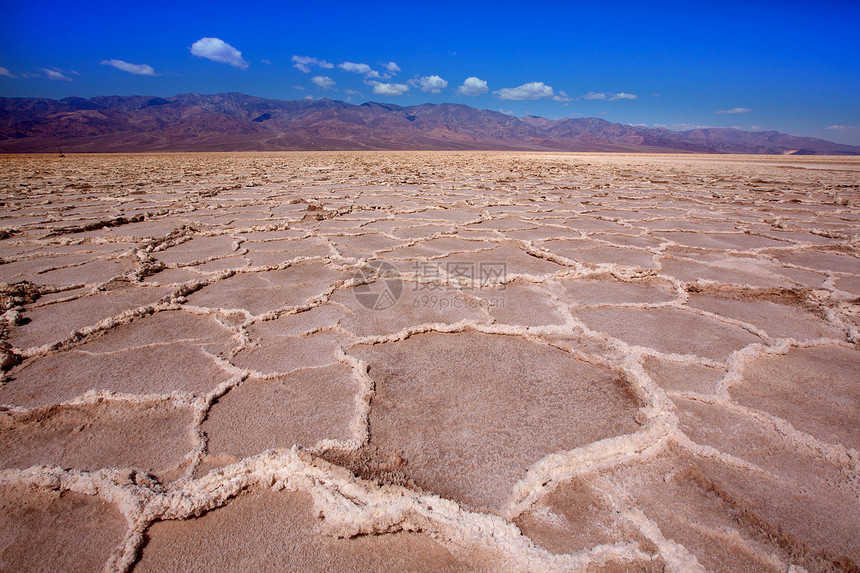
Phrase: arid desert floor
{"type": "Point", "coordinates": [392, 361]}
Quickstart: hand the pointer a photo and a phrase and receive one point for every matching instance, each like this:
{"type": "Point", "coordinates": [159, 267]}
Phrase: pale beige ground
{"type": "Point", "coordinates": [663, 375]}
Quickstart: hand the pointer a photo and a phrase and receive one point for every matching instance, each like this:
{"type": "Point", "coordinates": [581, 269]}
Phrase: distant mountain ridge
{"type": "Point", "coordinates": [238, 122]}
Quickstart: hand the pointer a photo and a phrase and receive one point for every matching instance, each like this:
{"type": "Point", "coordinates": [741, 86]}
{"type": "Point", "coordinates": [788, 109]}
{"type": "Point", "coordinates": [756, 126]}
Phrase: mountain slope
{"type": "Point", "coordinates": [238, 122]}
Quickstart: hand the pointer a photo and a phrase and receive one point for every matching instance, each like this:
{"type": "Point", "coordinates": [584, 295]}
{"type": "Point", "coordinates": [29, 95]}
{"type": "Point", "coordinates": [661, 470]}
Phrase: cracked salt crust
{"type": "Point", "coordinates": [667, 380]}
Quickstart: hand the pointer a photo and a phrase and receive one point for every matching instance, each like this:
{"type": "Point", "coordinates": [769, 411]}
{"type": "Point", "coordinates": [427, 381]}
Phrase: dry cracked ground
{"type": "Point", "coordinates": [429, 361]}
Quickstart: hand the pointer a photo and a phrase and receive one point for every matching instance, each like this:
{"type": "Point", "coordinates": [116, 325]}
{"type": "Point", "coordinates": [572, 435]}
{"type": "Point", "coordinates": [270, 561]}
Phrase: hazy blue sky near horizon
{"type": "Point", "coordinates": [787, 66]}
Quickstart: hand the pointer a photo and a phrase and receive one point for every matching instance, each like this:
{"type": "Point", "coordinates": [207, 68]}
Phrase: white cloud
{"type": "Point", "coordinates": [6, 73]}
{"type": "Point", "coordinates": [735, 110]}
{"type": "Point", "coordinates": [353, 92]}
{"type": "Point", "coordinates": [841, 128]}
{"type": "Point", "coordinates": [302, 88]}
{"type": "Point", "coordinates": [218, 50]}
{"type": "Point", "coordinates": [56, 74]}
{"type": "Point", "coordinates": [392, 67]}
{"type": "Point", "coordinates": [304, 63]}
{"type": "Point", "coordinates": [266, 61]}
{"type": "Point", "coordinates": [433, 84]}
{"type": "Point", "coordinates": [561, 96]}
{"type": "Point", "coordinates": [323, 82]}
{"type": "Point", "coordinates": [389, 89]}
{"type": "Point", "coordinates": [137, 69]}
{"type": "Point", "coordinates": [681, 126]}
{"type": "Point", "coordinates": [355, 68]}
{"type": "Point", "coordinates": [473, 87]}
{"type": "Point", "coordinates": [530, 90]}
{"type": "Point", "coordinates": [594, 95]}
{"type": "Point", "coordinates": [609, 96]}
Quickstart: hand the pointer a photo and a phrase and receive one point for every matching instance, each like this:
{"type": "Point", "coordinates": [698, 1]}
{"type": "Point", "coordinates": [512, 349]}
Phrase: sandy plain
{"type": "Point", "coordinates": [429, 361]}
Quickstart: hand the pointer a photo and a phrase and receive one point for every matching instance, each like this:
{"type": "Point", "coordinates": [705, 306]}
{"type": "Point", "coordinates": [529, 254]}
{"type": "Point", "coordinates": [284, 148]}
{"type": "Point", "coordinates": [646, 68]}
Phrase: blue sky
{"type": "Point", "coordinates": [789, 66]}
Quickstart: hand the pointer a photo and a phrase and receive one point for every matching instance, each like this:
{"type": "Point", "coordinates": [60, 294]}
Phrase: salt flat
{"type": "Point", "coordinates": [429, 361]}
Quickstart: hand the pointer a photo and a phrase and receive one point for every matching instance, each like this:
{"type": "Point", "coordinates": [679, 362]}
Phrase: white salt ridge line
{"type": "Point", "coordinates": [125, 317]}
{"type": "Point", "coordinates": [838, 316]}
{"type": "Point", "coordinates": [545, 475]}
{"type": "Point", "coordinates": [710, 452]}
{"type": "Point", "coordinates": [778, 347]}
{"type": "Point", "coordinates": [833, 235]}
{"type": "Point", "coordinates": [748, 327]}
{"type": "Point", "coordinates": [31, 256]}
{"type": "Point", "coordinates": [195, 341]}
{"type": "Point", "coordinates": [275, 375]}
{"type": "Point", "coordinates": [128, 490]}
{"type": "Point", "coordinates": [847, 459]}
{"type": "Point", "coordinates": [199, 262]}
{"type": "Point", "coordinates": [834, 453]}
{"type": "Point", "coordinates": [719, 267]}
{"type": "Point", "coordinates": [529, 333]}
{"type": "Point", "coordinates": [659, 421]}
{"type": "Point", "coordinates": [626, 349]}
{"type": "Point", "coordinates": [733, 538]}
{"type": "Point", "coordinates": [202, 407]}
{"type": "Point", "coordinates": [82, 334]}
{"type": "Point", "coordinates": [441, 255]}
{"type": "Point", "coordinates": [838, 454]}
{"type": "Point", "coordinates": [360, 424]}
{"type": "Point", "coordinates": [817, 248]}
{"type": "Point", "coordinates": [557, 467]}
{"type": "Point", "coordinates": [176, 399]}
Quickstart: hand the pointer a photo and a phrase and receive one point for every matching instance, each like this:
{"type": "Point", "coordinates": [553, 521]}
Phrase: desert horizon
{"type": "Point", "coordinates": [230, 122]}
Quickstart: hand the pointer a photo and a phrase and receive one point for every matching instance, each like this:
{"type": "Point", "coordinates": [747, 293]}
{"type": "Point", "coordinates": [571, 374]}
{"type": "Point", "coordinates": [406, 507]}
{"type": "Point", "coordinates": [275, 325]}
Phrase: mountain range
{"type": "Point", "coordinates": [238, 122]}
